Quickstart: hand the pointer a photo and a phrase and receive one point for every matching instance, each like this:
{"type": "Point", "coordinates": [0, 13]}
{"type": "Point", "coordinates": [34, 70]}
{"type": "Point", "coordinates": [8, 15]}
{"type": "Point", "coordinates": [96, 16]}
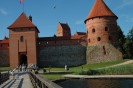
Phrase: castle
{"type": "Point", "coordinates": [96, 45]}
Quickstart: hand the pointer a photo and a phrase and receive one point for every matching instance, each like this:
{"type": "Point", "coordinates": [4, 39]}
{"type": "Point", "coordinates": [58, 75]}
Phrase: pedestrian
{"type": "Point", "coordinates": [17, 68]}
{"type": "Point", "coordinates": [13, 75]}
{"type": "Point", "coordinates": [65, 67]}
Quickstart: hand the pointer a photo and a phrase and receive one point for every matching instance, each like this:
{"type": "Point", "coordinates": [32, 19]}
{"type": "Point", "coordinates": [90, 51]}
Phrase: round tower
{"type": "Point", "coordinates": [101, 25]}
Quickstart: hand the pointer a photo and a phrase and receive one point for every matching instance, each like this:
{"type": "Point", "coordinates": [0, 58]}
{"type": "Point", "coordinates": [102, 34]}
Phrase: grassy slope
{"type": "Point", "coordinates": [56, 73]}
{"type": "Point", "coordinates": [5, 68]}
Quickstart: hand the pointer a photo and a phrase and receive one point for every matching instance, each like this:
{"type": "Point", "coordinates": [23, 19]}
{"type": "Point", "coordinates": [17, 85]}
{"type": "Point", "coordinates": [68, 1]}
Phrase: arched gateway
{"type": "Point", "coordinates": [23, 59]}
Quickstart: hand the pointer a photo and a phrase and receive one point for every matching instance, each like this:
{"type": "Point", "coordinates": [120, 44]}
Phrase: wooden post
{"type": "Point", "coordinates": [0, 78]}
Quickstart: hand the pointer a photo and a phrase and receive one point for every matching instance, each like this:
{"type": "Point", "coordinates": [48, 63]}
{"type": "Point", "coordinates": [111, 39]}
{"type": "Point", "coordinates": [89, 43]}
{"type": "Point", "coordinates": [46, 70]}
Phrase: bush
{"type": "Point", "coordinates": [36, 72]}
{"type": "Point", "coordinates": [44, 70]}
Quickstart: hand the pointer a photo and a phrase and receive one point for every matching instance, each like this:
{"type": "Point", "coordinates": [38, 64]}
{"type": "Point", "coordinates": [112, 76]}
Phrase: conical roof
{"type": "Point", "coordinates": [100, 9]}
{"type": "Point", "coordinates": [21, 22]}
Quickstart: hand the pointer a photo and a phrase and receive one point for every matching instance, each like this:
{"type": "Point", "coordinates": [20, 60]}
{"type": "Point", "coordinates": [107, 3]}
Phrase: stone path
{"type": "Point", "coordinates": [124, 63]}
{"type": "Point", "coordinates": [98, 76]}
{"type": "Point", "coordinates": [22, 81]}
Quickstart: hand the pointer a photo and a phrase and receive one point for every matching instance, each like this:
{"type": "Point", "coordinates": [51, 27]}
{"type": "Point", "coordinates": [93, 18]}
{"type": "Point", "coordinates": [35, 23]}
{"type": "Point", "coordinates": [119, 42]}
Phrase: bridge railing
{"type": "Point", "coordinates": [4, 76]}
{"type": "Point", "coordinates": [39, 82]}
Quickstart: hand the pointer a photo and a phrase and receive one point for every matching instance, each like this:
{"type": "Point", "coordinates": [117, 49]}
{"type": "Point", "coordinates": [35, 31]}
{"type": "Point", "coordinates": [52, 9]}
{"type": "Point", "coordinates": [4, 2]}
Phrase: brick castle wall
{"type": "Point", "coordinates": [4, 57]}
{"type": "Point", "coordinates": [59, 56]}
{"type": "Point", "coordinates": [102, 53]}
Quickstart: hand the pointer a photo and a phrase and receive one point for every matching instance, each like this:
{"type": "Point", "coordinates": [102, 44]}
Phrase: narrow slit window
{"type": "Point", "coordinates": [89, 40]}
{"type": "Point", "coordinates": [21, 38]}
{"type": "Point", "coordinates": [106, 28]}
{"type": "Point", "coordinates": [104, 50]}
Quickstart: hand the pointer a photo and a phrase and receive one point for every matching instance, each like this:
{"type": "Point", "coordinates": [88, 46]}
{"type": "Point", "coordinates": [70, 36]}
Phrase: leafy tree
{"type": "Point", "coordinates": [128, 46]}
{"type": "Point", "coordinates": [121, 40]}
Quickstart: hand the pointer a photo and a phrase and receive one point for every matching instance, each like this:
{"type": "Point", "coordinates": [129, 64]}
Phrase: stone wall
{"type": "Point", "coordinates": [4, 57]}
{"type": "Point", "coordinates": [59, 56]}
{"type": "Point", "coordinates": [102, 53]}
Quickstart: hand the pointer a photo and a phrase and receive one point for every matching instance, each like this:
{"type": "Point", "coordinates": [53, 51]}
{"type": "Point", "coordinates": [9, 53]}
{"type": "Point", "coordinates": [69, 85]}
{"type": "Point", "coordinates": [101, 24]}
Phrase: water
{"type": "Point", "coordinates": [97, 83]}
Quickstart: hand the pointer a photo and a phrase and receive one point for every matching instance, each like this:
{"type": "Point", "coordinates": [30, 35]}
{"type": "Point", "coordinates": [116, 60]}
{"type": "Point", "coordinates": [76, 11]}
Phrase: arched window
{"type": "Point", "coordinates": [21, 38]}
{"type": "Point", "coordinates": [106, 28]}
{"type": "Point", "coordinates": [98, 39]}
{"type": "Point", "coordinates": [93, 30]}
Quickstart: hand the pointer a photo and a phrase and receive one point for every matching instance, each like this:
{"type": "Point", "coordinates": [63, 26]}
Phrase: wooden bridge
{"type": "Point", "coordinates": [25, 80]}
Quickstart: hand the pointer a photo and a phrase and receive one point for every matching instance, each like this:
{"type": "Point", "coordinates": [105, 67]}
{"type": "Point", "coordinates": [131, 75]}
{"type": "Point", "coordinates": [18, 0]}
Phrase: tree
{"type": "Point", "coordinates": [121, 40]}
{"type": "Point", "coordinates": [128, 46]}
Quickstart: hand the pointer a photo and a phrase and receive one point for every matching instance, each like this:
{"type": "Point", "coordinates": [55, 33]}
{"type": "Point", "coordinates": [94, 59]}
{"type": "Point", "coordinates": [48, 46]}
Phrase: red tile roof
{"type": "Point", "coordinates": [64, 26]}
{"type": "Point", "coordinates": [100, 9]}
{"type": "Point", "coordinates": [80, 33]}
{"type": "Point", "coordinates": [79, 37]}
{"type": "Point", "coordinates": [21, 22]}
{"type": "Point", "coordinates": [5, 40]}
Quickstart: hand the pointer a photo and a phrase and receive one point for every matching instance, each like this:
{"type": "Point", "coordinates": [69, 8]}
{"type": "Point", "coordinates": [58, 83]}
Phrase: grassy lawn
{"type": "Point", "coordinates": [5, 68]}
{"type": "Point", "coordinates": [126, 69]}
{"type": "Point", "coordinates": [57, 73]}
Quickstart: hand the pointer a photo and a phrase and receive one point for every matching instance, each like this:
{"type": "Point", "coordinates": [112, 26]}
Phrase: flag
{"type": "Point", "coordinates": [21, 1]}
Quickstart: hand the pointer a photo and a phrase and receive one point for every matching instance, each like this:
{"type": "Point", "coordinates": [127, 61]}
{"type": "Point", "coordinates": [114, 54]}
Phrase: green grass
{"type": "Point", "coordinates": [118, 70]}
{"type": "Point", "coordinates": [5, 68]}
{"type": "Point", "coordinates": [57, 73]}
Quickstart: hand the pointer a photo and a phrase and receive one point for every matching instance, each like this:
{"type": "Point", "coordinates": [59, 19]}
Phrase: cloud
{"type": "Point", "coordinates": [127, 18]}
{"type": "Point", "coordinates": [125, 3]}
{"type": "Point", "coordinates": [79, 22]}
{"type": "Point", "coordinates": [4, 12]}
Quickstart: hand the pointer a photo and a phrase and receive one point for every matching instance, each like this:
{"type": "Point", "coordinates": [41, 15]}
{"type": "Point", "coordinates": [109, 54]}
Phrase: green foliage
{"type": "Point", "coordinates": [128, 45]}
{"type": "Point", "coordinates": [121, 40]}
{"type": "Point", "coordinates": [5, 68]}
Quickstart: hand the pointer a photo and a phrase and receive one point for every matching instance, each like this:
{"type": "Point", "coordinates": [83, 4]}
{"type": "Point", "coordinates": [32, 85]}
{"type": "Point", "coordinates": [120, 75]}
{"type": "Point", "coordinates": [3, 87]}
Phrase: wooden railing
{"type": "Point", "coordinates": [39, 82]}
{"type": "Point", "coordinates": [4, 76]}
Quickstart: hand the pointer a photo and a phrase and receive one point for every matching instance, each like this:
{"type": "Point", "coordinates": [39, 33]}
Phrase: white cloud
{"type": "Point", "coordinates": [4, 12]}
{"type": "Point", "coordinates": [127, 18]}
{"type": "Point", "coordinates": [79, 22]}
{"type": "Point", "coordinates": [125, 3]}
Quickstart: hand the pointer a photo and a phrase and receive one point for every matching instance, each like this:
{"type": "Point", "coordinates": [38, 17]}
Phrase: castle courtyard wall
{"type": "Point", "coordinates": [59, 56]}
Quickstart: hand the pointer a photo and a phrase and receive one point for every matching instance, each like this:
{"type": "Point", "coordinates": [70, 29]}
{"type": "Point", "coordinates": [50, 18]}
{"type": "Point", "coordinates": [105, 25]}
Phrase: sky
{"type": "Point", "coordinates": [47, 14]}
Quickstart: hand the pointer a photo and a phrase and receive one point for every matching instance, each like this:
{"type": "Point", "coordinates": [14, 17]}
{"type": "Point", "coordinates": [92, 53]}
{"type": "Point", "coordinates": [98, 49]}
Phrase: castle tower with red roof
{"type": "Point", "coordinates": [101, 27]}
{"type": "Point", "coordinates": [23, 39]}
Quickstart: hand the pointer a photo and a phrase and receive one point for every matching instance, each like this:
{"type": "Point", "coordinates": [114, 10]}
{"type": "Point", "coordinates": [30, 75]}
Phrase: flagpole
{"type": "Point", "coordinates": [22, 2]}
{"type": "Point", "coordinates": [23, 6]}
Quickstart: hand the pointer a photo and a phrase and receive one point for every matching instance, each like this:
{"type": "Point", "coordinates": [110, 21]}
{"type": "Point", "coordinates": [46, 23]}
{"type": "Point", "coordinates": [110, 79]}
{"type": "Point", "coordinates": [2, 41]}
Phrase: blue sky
{"type": "Point", "coordinates": [73, 12]}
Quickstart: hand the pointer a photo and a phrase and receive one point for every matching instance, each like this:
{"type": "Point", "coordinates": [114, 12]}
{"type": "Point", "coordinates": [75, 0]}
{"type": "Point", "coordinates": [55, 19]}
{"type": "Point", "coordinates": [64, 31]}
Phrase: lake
{"type": "Point", "coordinates": [97, 83]}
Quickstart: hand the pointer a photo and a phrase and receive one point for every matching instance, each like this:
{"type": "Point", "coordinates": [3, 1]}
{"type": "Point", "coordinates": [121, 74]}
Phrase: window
{"type": "Point", "coordinates": [89, 40]}
{"type": "Point", "coordinates": [109, 38]}
{"type": "Point", "coordinates": [21, 38]}
{"type": "Point", "coordinates": [104, 50]}
{"type": "Point", "coordinates": [98, 39]}
{"type": "Point", "coordinates": [106, 28]}
{"type": "Point", "coordinates": [93, 30]}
